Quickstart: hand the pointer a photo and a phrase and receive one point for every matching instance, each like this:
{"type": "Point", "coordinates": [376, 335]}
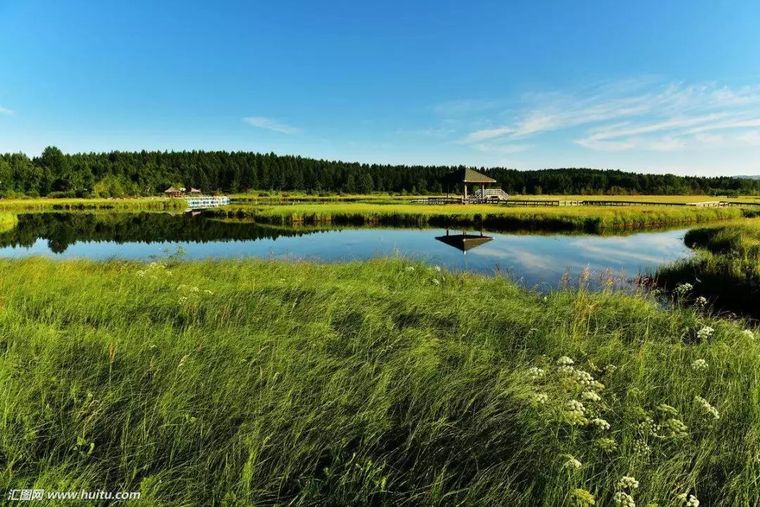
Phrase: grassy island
{"type": "Point", "coordinates": [727, 267]}
{"type": "Point", "coordinates": [587, 218]}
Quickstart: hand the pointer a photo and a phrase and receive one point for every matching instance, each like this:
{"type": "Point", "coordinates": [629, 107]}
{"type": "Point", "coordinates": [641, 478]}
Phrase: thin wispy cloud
{"type": "Point", "coordinates": [491, 133]}
{"type": "Point", "coordinates": [502, 148]}
{"type": "Point", "coordinates": [263, 122]}
{"type": "Point", "coordinates": [6, 111]}
{"type": "Point", "coordinates": [643, 115]}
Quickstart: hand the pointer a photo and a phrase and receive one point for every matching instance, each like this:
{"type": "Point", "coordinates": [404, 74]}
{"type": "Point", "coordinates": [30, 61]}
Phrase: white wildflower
{"type": "Point", "coordinates": [707, 407]}
{"type": "Point", "coordinates": [183, 299]}
{"type": "Point", "coordinates": [705, 333]}
{"type": "Point", "coordinates": [575, 418]}
{"type": "Point", "coordinates": [535, 372]}
{"type": "Point", "coordinates": [539, 398]}
{"type": "Point", "coordinates": [437, 268]}
{"type": "Point", "coordinates": [748, 333]}
{"type": "Point", "coordinates": [582, 498]}
{"type": "Point", "coordinates": [641, 447]}
{"type": "Point", "coordinates": [575, 413]}
{"type": "Point", "coordinates": [699, 364]}
{"type": "Point", "coordinates": [606, 444]}
{"type": "Point", "coordinates": [436, 281]}
{"type": "Point", "coordinates": [701, 302]}
{"type": "Point", "coordinates": [647, 424]}
{"type": "Point", "coordinates": [409, 269]}
{"type": "Point", "coordinates": [600, 424]}
{"type": "Point", "coordinates": [623, 499]}
{"type": "Point", "coordinates": [590, 396]}
{"type": "Point", "coordinates": [688, 500]}
{"type": "Point", "coordinates": [141, 273]}
{"type": "Point", "coordinates": [627, 482]}
{"type": "Point", "coordinates": [572, 463]}
{"type": "Point", "coordinates": [583, 377]}
{"type": "Point", "coordinates": [673, 427]}
{"type": "Point", "coordinates": [565, 361]}
{"type": "Point", "coordinates": [683, 288]}
{"type": "Point", "coordinates": [210, 293]}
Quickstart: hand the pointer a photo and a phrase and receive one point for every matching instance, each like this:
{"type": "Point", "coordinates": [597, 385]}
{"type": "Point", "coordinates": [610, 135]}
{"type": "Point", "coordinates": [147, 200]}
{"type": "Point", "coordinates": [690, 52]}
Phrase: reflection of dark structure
{"type": "Point", "coordinates": [464, 241]}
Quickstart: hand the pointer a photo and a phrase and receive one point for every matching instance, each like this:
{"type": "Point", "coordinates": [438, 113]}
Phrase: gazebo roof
{"type": "Point", "coordinates": [171, 190]}
{"type": "Point", "coordinates": [467, 175]}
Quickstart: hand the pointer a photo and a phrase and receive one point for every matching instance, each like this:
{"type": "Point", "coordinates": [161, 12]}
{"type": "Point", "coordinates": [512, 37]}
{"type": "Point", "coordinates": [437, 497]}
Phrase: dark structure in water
{"type": "Point", "coordinates": [464, 241]}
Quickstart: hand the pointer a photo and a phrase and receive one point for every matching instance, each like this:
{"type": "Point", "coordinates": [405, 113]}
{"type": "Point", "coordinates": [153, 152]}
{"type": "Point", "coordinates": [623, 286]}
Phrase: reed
{"type": "Point", "coordinates": [125, 204]}
{"type": "Point", "coordinates": [726, 269]}
{"type": "Point", "coordinates": [587, 218]}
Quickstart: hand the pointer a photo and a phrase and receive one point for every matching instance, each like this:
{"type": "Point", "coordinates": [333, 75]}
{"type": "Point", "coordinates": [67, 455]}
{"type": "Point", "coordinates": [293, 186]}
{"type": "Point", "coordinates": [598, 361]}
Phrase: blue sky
{"type": "Point", "coordinates": [649, 86]}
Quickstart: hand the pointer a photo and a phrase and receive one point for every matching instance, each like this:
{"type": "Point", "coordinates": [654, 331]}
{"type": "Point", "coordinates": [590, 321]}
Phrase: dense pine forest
{"type": "Point", "coordinates": [118, 174]}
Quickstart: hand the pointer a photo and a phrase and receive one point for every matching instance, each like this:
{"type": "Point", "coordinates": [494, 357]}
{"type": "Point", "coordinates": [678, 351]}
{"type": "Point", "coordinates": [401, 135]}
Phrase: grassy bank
{"type": "Point", "coordinates": [673, 199]}
{"type": "Point", "coordinates": [727, 267]}
{"type": "Point", "coordinates": [383, 382]}
{"type": "Point", "coordinates": [126, 204]}
{"type": "Point", "coordinates": [592, 219]}
{"type": "Point", "coordinates": [274, 197]}
{"type": "Point", "coordinates": [7, 221]}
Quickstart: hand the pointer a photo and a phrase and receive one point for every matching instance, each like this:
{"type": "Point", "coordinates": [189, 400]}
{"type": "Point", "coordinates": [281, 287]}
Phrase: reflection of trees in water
{"type": "Point", "coordinates": [63, 229]}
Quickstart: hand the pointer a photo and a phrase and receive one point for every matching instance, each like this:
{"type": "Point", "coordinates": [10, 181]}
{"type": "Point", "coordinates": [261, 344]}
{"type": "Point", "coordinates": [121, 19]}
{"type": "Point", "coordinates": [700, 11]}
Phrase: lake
{"type": "Point", "coordinates": [533, 259]}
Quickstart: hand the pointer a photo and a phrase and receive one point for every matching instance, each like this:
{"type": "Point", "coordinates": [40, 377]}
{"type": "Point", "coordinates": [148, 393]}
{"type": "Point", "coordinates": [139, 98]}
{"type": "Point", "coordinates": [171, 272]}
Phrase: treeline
{"type": "Point", "coordinates": [150, 172]}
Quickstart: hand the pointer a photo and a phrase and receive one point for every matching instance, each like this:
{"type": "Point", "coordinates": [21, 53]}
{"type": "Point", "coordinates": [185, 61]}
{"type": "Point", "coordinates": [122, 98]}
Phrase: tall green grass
{"type": "Point", "coordinates": [727, 267]}
{"type": "Point", "coordinates": [386, 383]}
{"type": "Point", "coordinates": [76, 204]}
{"type": "Point", "coordinates": [587, 218]}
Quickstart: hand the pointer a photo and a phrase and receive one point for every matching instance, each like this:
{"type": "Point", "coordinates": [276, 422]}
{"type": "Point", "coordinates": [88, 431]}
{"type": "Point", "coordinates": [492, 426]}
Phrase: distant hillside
{"type": "Point", "coordinates": [747, 177]}
{"type": "Point", "coordinates": [148, 173]}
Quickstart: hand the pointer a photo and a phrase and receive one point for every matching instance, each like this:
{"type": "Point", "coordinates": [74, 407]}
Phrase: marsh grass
{"type": "Point", "coordinates": [261, 197]}
{"type": "Point", "coordinates": [125, 204]}
{"type": "Point", "coordinates": [727, 267]}
{"type": "Point", "coordinates": [587, 218]}
{"type": "Point", "coordinates": [385, 382]}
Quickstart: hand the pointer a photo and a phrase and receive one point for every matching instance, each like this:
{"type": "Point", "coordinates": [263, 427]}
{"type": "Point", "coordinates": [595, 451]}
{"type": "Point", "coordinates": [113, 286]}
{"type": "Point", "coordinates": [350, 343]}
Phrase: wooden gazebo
{"type": "Point", "coordinates": [173, 192]}
{"type": "Point", "coordinates": [467, 176]}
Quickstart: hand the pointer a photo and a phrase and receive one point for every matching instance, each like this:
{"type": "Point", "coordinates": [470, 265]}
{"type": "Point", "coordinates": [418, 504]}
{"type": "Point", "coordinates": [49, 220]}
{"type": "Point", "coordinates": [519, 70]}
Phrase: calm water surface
{"type": "Point", "coordinates": [534, 259]}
